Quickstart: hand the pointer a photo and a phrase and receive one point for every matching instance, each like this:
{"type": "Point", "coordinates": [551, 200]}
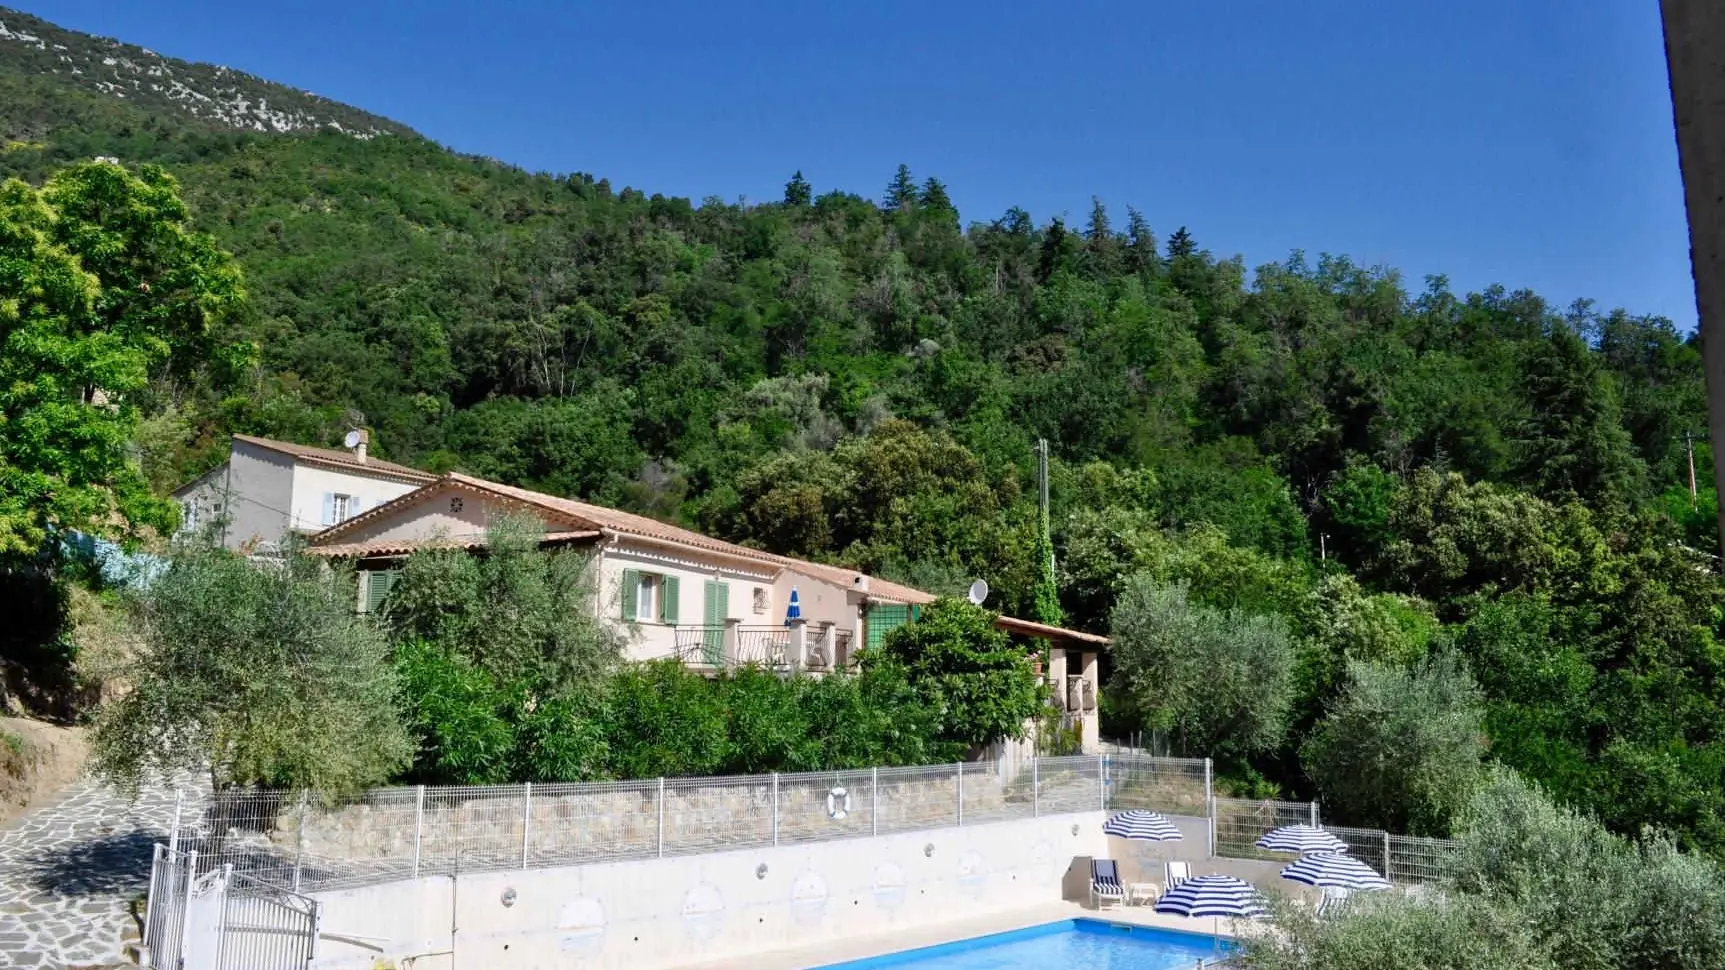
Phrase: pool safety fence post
{"type": "Point", "coordinates": [874, 801]}
{"type": "Point", "coordinates": [174, 831]}
{"type": "Point", "coordinates": [1387, 857]}
{"type": "Point", "coordinates": [418, 825]}
{"type": "Point", "coordinates": [775, 808]}
{"type": "Point", "coordinates": [186, 904]}
{"type": "Point", "coordinates": [526, 819]}
{"type": "Point", "coordinates": [960, 776]}
{"type": "Point", "coordinates": [299, 840]}
{"type": "Point", "coordinates": [316, 933]}
{"type": "Point", "coordinates": [661, 818]}
{"type": "Point", "coordinates": [150, 898]}
{"type": "Point", "coordinates": [1102, 780]}
{"type": "Point", "coordinates": [1210, 805]}
{"type": "Point", "coordinates": [1035, 787]}
{"type": "Point", "coordinates": [1314, 813]}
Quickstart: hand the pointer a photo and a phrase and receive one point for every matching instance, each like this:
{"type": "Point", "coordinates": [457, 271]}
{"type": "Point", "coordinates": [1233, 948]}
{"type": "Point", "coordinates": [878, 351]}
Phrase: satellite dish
{"type": "Point", "coordinates": [352, 439]}
{"type": "Point", "coordinates": [978, 592]}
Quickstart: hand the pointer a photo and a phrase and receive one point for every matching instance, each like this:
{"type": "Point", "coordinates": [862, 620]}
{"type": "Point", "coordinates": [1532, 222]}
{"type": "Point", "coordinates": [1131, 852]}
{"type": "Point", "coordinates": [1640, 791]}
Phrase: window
{"type": "Point", "coordinates": [374, 585]}
{"type": "Point", "coordinates": [760, 600]}
{"type": "Point", "coordinates": [338, 508]}
{"type": "Point", "coordinates": [649, 597]}
{"type": "Point", "coordinates": [189, 518]}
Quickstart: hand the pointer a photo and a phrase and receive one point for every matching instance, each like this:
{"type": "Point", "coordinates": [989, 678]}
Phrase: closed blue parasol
{"type": "Point", "coordinates": [1141, 825]}
{"type": "Point", "coordinates": [1333, 871]}
{"type": "Point", "coordinates": [1301, 839]}
{"type": "Point", "coordinates": [795, 610]}
{"type": "Point", "coordinates": [1218, 896]}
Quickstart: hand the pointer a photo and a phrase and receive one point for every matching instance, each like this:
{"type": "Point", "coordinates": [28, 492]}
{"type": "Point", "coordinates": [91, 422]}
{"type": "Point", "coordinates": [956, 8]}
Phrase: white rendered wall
{"type": "Point", "coordinates": [657, 913]}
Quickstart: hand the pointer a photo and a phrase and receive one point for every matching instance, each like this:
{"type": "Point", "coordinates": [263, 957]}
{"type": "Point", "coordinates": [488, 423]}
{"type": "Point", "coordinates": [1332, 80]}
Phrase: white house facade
{"type": "Point", "coordinates": [672, 592]}
{"type": "Point", "coordinates": [268, 489]}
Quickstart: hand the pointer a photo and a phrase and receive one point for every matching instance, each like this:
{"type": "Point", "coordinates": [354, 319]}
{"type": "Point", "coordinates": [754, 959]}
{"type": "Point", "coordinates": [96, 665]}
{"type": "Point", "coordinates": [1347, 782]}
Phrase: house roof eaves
{"type": "Point", "coordinates": [335, 458]}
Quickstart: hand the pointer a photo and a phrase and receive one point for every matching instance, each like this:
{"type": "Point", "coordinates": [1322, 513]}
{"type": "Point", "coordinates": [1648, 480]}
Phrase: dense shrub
{"type": "Point", "coordinates": [1534, 885]}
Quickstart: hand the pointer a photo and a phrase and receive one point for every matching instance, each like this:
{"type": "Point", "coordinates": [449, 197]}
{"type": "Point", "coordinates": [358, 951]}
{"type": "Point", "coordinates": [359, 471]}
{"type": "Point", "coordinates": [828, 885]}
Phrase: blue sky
{"type": "Point", "coordinates": [1526, 143]}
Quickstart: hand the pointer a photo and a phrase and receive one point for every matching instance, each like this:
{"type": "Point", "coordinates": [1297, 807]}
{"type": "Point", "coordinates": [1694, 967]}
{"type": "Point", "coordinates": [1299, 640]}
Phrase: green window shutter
{"type": "Point", "coordinates": [714, 608]}
{"type": "Point", "coordinates": [883, 618]}
{"type": "Point", "coordinates": [377, 585]}
{"type": "Point", "coordinates": [915, 613]}
{"type": "Point", "coordinates": [724, 602]}
{"type": "Point", "coordinates": [631, 593]}
{"type": "Point", "coordinates": [669, 591]}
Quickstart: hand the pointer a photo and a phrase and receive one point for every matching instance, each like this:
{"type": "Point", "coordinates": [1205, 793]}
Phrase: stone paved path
{"type": "Point", "coordinates": [71, 870]}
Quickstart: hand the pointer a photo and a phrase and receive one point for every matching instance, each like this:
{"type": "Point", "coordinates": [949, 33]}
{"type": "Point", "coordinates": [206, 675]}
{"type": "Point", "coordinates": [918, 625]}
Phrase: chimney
{"type": "Point", "coordinates": [361, 439]}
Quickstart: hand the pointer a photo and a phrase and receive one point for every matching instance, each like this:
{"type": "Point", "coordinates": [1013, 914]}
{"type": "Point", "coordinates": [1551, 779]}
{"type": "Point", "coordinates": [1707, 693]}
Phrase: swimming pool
{"type": "Point", "coordinates": [1074, 943]}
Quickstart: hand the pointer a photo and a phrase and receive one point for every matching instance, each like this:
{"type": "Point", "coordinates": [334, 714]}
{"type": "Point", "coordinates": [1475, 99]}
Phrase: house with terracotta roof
{"type": "Point", "coordinates": [268, 490]}
{"type": "Point", "coordinates": [673, 592]}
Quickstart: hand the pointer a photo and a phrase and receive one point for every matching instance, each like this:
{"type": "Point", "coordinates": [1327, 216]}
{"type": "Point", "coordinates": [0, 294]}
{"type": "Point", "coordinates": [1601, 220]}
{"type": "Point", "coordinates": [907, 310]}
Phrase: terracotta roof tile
{"type": "Point", "coordinates": [403, 547]}
{"type": "Point", "coordinates": [337, 456]}
{"type": "Point", "coordinates": [629, 524]}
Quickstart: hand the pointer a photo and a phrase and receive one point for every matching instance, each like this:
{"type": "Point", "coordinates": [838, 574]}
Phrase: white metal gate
{"type": "Point", "coordinates": [223, 920]}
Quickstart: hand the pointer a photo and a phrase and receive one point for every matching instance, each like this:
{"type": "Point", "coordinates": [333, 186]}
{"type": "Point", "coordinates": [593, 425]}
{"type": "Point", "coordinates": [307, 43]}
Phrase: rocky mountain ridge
{"type": "Point", "coordinates": [211, 95]}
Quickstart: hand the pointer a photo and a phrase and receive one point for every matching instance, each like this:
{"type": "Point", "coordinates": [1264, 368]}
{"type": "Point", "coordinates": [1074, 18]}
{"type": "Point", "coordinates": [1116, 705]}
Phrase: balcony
{"type": "Point", "coordinates": [1076, 695]}
{"type": "Point", "coordinates": [800, 648]}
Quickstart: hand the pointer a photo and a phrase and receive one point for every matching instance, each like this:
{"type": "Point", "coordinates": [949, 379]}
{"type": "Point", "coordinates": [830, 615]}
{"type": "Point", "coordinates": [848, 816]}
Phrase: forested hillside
{"type": "Point", "coordinates": [1391, 474]}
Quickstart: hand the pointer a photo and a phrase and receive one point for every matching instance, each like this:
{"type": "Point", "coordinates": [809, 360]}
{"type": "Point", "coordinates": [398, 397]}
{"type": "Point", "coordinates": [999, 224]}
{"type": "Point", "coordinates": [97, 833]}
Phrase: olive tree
{"type": "Point", "coordinates": [1403, 748]}
{"type": "Point", "coordinates": [1532, 885]}
{"type": "Point", "coordinates": [1220, 682]}
{"type": "Point", "coordinates": [520, 613]}
{"type": "Point", "coordinates": [262, 675]}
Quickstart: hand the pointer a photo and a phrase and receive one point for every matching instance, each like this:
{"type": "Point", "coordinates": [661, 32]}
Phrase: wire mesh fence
{"type": "Point", "coordinates": [302, 844]}
{"type": "Point", "coordinates": [1238, 823]}
{"type": "Point", "coordinates": [1172, 786]}
{"type": "Point", "coordinates": [1415, 861]}
{"type": "Point", "coordinates": [1405, 860]}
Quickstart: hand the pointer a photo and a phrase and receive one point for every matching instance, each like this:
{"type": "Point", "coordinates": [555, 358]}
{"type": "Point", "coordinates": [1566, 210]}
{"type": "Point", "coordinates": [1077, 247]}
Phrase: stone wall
{"type": "Point", "coordinates": [477, 829]}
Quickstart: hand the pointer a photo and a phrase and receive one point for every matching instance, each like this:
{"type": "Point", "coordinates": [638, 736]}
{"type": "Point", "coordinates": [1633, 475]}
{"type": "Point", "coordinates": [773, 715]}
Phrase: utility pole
{"type": "Point", "coordinates": [1689, 443]}
{"type": "Point", "coordinates": [1042, 475]}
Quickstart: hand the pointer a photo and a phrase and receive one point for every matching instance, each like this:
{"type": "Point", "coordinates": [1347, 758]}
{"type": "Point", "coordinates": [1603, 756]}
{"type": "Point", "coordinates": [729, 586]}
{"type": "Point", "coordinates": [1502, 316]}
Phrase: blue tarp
{"type": "Point", "coordinates": [118, 567]}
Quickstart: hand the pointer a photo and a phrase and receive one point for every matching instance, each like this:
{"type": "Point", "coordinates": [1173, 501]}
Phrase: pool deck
{"type": "Point", "coordinates": [910, 938]}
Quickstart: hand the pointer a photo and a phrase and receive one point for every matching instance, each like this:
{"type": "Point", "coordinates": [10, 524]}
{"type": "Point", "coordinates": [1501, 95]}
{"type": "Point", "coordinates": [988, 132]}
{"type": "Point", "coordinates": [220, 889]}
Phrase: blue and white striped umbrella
{"type": "Point", "coordinates": [795, 610]}
{"type": "Point", "coordinates": [1219, 896]}
{"type": "Point", "coordinates": [1141, 825]}
{"type": "Point", "coordinates": [1330, 869]}
{"type": "Point", "coordinates": [1301, 839]}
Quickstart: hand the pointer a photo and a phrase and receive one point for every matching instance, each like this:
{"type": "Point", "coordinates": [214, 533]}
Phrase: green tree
{"type": "Point", "coordinates": [1180, 245]}
{"type": "Point", "coordinates": [797, 191]}
{"type": "Point", "coordinates": [981, 684]}
{"type": "Point", "coordinates": [1403, 748]}
{"type": "Point", "coordinates": [664, 720]}
{"type": "Point", "coordinates": [1141, 253]}
{"type": "Point", "coordinates": [103, 288]}
{"type": "Point", "coordinates": [1573, 442]}
{"type": "Point", "coordinates": [459, 716]}
{"type": "Point", "coordinates": [901, 192]}
{"type": "Point", "coordinates": [521, 614]}
{"type": "Point", "coordinates": [261, 676]}
{"type": "Point", "coordinates": [1218, 681]}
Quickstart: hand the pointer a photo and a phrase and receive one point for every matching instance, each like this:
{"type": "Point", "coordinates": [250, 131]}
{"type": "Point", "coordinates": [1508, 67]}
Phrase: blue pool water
{"type": "Point", "coordinates": [1074, 944]}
